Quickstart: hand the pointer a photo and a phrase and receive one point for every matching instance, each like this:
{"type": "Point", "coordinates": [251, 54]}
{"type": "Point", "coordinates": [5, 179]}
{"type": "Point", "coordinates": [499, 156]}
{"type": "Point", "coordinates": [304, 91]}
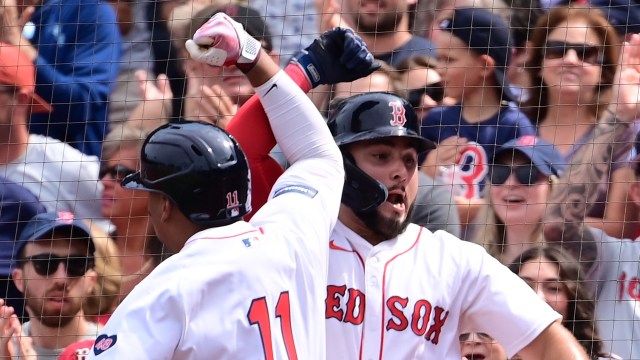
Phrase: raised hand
{"type": "Point", "coordinates": [625, 102]}
{"type": "Point", "coordinates": [223, 41]}
{"type": "Point", "coordinates": [155, 107]}
{"type": "Point", "coordinates": [207, 103]}
{"type": "Point", "coordinates": [339, 55]}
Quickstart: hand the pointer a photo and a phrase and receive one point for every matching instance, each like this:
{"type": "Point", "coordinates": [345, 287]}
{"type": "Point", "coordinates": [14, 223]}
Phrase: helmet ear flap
{"type": "Point", "coordinates": [361, 192]}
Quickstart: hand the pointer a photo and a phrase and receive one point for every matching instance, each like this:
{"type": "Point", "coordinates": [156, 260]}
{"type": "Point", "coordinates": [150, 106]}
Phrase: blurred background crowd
{"type": "Point", "coordinates": [534, 106]}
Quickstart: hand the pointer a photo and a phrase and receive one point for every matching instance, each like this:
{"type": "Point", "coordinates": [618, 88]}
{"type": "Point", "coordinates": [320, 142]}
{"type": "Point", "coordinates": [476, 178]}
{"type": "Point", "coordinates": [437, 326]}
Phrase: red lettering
{"type": "Point", "coordinates": [420, 318]}
{"type": "Point", "coordinates": [356, 303]}
{"type": "Point", "coordinates": [398, 112]}
{"type": "Point", "coordinates": [396, 304]}
{"type": "Point", "coordinates": [634, 289]}
{"type": "Point", "coordinates": [621, 283]}
{"type": "Point", "coordinates": [438, 322]}
{"type": "Point", "coordinates": [334, 294]}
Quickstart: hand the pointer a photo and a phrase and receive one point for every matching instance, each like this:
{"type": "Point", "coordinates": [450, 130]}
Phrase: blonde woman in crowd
{"type": "Point", "coordinates": [139, 249]}
{"type": "Point", "coordinates": [520, 183]}
{"type": "Point", "coordinates": [105, 296]}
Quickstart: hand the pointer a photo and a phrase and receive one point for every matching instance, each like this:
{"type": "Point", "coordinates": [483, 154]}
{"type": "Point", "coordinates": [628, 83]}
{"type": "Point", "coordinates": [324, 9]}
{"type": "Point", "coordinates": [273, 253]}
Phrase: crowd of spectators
{"type": "Point", "coordinates": [534, 106]}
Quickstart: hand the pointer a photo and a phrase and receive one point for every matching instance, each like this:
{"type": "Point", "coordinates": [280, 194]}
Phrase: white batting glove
{"type": "Point", "coordinates": [223, 41]}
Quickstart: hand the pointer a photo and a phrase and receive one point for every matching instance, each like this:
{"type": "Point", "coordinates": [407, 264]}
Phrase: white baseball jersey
{"type": "Point", "coordinates": [618, 295]}
{"type": "Point", "coordinates": [248, 290]}
{"type": "Point", "coordinates": [411, 297]}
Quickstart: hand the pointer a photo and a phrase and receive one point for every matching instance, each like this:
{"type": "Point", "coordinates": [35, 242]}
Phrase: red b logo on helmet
{"type": "Point", "coordinates": [398, 112]}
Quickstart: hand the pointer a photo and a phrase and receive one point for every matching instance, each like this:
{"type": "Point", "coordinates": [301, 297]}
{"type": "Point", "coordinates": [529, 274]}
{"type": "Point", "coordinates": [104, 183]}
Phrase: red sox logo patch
{"type": "Point", "coordinates": [104, 343]}
{"type": "Point", "coordinates": [398, 112]}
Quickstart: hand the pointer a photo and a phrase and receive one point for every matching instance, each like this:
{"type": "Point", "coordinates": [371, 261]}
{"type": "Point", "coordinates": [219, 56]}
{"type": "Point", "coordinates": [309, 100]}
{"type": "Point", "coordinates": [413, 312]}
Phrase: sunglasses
{"type": "Point", "coordinates": [118, 172]}
{"type": "Point", "coordinates": [434, 91]}
{"type": "Point", "coordinates": [479, 336]}
{"type": "Point", "coordinates": [588, 54]}
{"type": "Point", "coordinates": [47, 264]}
{"type": "Point", "coordinates": [525, 174]}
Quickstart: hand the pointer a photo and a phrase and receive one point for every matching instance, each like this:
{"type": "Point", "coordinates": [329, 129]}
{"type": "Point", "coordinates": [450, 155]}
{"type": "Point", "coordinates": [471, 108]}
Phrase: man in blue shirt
{"type": "Point", "coordinates": [75, 46]}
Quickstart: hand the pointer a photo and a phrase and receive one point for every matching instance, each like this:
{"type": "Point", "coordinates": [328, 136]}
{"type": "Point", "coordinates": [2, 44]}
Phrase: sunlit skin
{"type": "Point", "coordinates": [55, 299]}
{"type": "Point", "coordinates": [569, 79]}
{"type": "Point", "coordinates": [377, 81]}
{"type": "Point", "coordinates": [376, 15]}
{"type": "Point", "coordinates": [544, 278]}
{"type": "Point", "coordinates": [459, 67]}
{"type": "Point", "coordinates": [519, 204]}
{"type": "Point", "coordinates": [119, 204]}
{"type": "Point", "coordinates": [393, 162]}
{"type": "Point", "coordinates": [481, 346]}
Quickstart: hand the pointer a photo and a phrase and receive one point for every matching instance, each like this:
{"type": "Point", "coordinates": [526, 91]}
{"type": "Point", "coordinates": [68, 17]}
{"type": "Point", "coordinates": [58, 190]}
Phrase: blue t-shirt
{"type": "Point", "coordinates": [484, 138]}
{"type": "Point", "coordinates": [79, 46]}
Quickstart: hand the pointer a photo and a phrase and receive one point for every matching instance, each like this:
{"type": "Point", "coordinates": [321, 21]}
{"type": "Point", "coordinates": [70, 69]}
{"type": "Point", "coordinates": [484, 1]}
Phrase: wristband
{"type": "Point", "coordinates": [250, 54]}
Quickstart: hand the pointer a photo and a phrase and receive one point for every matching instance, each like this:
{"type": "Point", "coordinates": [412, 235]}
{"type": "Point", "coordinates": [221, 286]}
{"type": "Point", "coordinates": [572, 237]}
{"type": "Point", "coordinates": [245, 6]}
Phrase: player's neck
{"type": "Point", "coordinates": [58, 337]}
{"type": "Point", "coordinates": [353, 222]}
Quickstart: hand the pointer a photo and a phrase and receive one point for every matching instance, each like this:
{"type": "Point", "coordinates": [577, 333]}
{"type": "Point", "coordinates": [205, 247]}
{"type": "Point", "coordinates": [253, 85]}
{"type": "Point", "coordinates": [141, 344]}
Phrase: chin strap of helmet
{"type": "Point", "coordinates": [361, 192]}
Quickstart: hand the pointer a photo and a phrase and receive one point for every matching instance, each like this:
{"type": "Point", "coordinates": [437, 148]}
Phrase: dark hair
{"type": "Point", "coordinates": [536, 106]}
{"type": "Point", "coordinates": [581, 308]}
{"type": "Point", "coordinates": [524, 15]}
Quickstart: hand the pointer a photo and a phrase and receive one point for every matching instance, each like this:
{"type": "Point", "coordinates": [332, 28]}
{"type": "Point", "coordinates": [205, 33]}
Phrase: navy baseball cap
{"type": "Point", "coordinates": [543, 155]}
{"type": "Point", "coordinates": [486, 34]}
{"type": "Point", "coordinates": [43, 224]}
{"type": "Point", "coordinates": [624, 15]}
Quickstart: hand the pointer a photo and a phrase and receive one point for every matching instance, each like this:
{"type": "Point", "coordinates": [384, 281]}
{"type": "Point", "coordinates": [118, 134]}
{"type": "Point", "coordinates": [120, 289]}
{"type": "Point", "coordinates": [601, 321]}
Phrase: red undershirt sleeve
{"type": "Point", "coordinates": [251, 128]}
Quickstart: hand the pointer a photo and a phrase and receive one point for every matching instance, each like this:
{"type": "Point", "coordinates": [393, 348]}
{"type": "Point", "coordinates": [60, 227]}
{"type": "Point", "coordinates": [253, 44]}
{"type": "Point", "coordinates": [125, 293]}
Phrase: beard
{"type": "Point", "coordinates": [383, 226]}
{"type": "Point", "coordinates": [384, 23]}
{"type": "Point", "coordinates": [53, 318]}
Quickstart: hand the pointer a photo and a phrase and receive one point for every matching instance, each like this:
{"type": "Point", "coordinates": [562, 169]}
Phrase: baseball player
{"type": "Point", "coordinates": [396, 290]}
{"type": "Point", "coordinates": [234, 290]}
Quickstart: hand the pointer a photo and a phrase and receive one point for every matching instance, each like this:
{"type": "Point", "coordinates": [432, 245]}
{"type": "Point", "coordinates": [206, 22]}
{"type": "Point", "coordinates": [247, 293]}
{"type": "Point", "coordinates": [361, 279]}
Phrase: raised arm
{"type": "Point", "coordinates": [337, 56]}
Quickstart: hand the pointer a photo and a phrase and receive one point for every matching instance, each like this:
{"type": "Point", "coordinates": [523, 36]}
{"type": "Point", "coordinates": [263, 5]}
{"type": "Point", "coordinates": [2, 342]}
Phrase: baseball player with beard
{"type": "Point", "coordinates": [395, 290]}
{"type": "Point", "coordinates": [234, 290]}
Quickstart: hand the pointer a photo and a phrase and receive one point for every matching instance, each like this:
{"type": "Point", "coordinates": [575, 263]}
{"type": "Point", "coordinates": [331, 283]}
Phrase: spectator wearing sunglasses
{"type": "Point", "coordinates": [134, 235]}
{"type": "Point", "coordinates": [574, 55]}
{"type": "Point", "coordinates": [474, 49]}
{"type": "Point", "coordinates": [521, 178]}
{"type": "Point", "coordinates": [422, 82]}
{"type": "Point", "coordinates": [55, 272]}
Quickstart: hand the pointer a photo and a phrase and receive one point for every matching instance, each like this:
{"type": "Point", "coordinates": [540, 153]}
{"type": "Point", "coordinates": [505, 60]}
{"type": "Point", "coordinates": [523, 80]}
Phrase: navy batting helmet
{"type": "Point", "coordinates": [371, 116]}
{"type": "Point", "coordinates": [200, 167]}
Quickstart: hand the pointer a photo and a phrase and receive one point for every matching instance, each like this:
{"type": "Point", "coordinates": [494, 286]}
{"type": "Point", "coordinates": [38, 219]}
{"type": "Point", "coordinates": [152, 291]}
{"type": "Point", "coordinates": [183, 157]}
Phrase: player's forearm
{"type": "Point", "coordinates": [296, 123]}
{"type": "Point", "coordinates": [264, 69]}
{"type": "Point", "coordinates": [555, 342]}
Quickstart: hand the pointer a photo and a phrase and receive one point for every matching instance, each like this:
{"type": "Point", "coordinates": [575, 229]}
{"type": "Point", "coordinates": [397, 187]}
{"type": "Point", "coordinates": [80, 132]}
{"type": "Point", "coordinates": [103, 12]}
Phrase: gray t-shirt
{"type": "Point", "coordinates": [52, 354]}
{"type": "Point", "coordinates": [435, 208]}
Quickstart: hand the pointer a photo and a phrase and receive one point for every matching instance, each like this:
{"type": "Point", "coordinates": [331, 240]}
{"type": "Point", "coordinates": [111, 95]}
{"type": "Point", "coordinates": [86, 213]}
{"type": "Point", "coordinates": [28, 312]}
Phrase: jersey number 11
{"type": "Point", "coordinates": [259, 315]}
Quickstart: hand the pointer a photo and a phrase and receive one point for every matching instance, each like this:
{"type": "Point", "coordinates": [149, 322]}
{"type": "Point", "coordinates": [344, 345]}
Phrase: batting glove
{"type": "Point", "coordinates": [223, 41]}
{"type": "Point", "coordinates": [339, 55]}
